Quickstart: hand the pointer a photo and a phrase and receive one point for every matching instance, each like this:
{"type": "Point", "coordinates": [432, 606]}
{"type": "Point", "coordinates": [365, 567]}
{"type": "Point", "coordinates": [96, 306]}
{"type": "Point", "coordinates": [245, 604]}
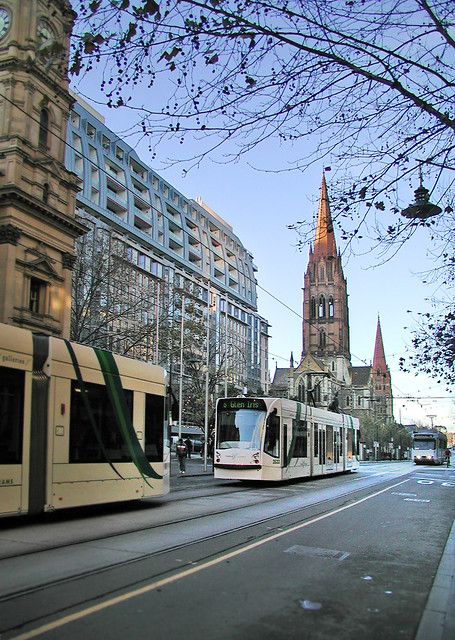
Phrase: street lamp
{"type": "Point", "coordinates": [422, 208]}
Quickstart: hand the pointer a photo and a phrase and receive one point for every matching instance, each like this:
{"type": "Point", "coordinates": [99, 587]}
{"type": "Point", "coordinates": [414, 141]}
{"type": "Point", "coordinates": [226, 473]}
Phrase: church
{"type": "Point", "coordinates": [325, 377]}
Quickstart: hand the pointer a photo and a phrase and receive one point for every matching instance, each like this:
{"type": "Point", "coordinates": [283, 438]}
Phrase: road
{"type": "Point", "coordinates": [346, 556]}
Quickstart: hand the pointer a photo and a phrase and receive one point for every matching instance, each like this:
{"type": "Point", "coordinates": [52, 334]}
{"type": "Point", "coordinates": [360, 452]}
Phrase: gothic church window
{"type": "Point", "coordinates": [322, 339]}
{"type": "Point", "coordinates": [313, 307]}
{"type": "Point", "coordinates": [321, 273]}
{"type": "Point", "coordinates": [331, 307]}
{"type": "Point", "coordinates": [321, 307]}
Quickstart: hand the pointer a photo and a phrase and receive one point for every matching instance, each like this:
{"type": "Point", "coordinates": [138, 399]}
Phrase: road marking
{"type": "Point", "coordinates": [317, 552]}
{"type": "Point", "coordinates": [398, 493]}
{"type": "Point", "coordinates": [415, 500]}
{"type": "Point", "coordinates": [78, 615]}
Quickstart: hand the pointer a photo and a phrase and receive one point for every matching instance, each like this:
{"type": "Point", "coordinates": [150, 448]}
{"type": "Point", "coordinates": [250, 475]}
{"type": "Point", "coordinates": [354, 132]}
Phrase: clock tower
{"type": "Point", "coordinates": [38, 227]}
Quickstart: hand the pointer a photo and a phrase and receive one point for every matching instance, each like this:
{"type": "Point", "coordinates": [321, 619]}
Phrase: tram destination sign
{"type": "Point", "coordinates": [235, 404]}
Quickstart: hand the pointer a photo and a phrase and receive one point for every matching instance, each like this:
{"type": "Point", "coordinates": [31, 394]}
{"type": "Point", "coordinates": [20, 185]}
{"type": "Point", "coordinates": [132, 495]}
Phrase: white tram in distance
{"type": "Point", "coordinates": [78, 425]}
{"type": "Point", "coordinates": [428, 446]}
{"type": "Point", "coordinates": [275, 439]}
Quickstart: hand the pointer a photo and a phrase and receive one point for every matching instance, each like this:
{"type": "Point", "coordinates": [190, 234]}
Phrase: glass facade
{"type": "Point", "coordinates": [165, 242]}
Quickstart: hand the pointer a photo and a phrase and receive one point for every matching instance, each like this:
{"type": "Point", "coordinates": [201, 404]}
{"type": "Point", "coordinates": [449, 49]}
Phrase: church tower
{"type": "Point", "coordinates": [380, 378]}
{"type": "Point", "coordinates": [38, 226]}
{"type": "Point", "coordinates": [325, 303]}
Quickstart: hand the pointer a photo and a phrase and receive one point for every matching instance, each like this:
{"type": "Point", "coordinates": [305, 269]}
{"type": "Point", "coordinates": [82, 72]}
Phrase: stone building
{"type": "Point", "coordinates": [38, 226]}
{"type": "Point", "coordinates": [325, 376]}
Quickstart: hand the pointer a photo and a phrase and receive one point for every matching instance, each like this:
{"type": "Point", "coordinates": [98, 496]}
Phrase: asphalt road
{"type": "Point", "coordinates": [348, 556]}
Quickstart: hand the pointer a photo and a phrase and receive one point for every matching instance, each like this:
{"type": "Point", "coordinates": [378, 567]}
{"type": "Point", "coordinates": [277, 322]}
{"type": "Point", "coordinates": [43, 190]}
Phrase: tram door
{"type": "Point", "coordinates": [319, 449]}
{"type": "Point", "coordinates": [322, 445]}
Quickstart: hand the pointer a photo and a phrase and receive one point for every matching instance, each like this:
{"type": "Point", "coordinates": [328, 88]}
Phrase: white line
{"type": "Point", "coordinates": [187, 572]}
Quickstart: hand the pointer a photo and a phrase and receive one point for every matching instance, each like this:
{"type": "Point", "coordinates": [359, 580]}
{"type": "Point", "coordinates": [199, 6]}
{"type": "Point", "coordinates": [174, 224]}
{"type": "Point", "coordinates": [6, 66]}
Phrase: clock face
{"type": "Point", "coordinates": [5, 21]}
{"type": "Point", "coordinates": [46, 37]}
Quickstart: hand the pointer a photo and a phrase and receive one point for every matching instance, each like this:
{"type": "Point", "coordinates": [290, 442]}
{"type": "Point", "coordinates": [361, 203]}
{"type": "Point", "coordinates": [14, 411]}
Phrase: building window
{"type": "Point", "coordinates": [313, 307]}
{"type": "Point", "coordinates": [321, 307]}
{"type": "Point", "coordinates": [43, 128]}
{"type": "Point", "coordinates": [322, 339]}
{"type": "Point", "coordinates": [348, 401]}
{"type": "Point", "coordinates": [37, 291]}
{"type": "Point", "coordinates": [331, 309]}
{"type": "Point", "coordinates": [45, 192]}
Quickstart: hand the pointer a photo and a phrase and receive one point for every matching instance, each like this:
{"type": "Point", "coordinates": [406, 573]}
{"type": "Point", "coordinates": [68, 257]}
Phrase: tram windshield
{"type": "Point", "coordinates": [424, 444]}
{"type": "Point", "coordinates": [239, 423]}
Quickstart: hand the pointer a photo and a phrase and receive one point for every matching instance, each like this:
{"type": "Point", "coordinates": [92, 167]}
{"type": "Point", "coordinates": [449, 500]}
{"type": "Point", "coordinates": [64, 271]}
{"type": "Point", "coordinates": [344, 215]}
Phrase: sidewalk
{"type": "Point", "coordinates": [194, 466]}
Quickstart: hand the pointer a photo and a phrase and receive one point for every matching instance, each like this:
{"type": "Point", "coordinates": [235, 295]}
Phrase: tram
{"type": "Point", "coordinates": [275, 439]}
{"type": "Point", "coordinates": [78, 425]}
{"type": "Point", "coordinates": [428, 446]}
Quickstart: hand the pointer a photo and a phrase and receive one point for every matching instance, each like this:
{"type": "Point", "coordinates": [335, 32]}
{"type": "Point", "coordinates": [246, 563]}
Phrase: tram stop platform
{"type": "Point", "coordinates": [194, 466]}
{"type": "Point", "coordinates": [438, 618]}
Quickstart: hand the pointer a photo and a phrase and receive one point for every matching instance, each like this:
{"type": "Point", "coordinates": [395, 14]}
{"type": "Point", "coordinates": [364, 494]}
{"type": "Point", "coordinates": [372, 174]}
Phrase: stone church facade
{"type": "Point", "coordinates": [325, 376]}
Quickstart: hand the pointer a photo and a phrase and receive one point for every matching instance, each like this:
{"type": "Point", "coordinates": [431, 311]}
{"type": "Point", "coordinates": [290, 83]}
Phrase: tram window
{"type": "Point", "coordinates": [350, 443]}
{"type": "Point", "coordinates": [316, 441]}
{"type": "Point", "coordinates": [272, 435]}
{"type": "Point", "coordinates": [154, 419]}
{"type": "Point", "coordinates": [299, 439]}
{"type": "Point", "coordinates": [11, 415]}
{"type": "Point", "coordinates": [84, 445]}
{"type": "Point", "coordinates": [329, 441]}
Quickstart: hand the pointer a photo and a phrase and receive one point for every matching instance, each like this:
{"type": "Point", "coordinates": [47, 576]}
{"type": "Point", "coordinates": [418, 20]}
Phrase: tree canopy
{"type": "Point", "coordinates": [364, 85]}
{"type": "Point", "coordinates": [361, 85]}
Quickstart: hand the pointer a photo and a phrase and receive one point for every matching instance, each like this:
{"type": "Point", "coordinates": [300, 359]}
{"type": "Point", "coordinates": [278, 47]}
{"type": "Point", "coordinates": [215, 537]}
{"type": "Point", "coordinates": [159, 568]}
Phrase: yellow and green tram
{"type": "Point", "coordinates": [78, 425]}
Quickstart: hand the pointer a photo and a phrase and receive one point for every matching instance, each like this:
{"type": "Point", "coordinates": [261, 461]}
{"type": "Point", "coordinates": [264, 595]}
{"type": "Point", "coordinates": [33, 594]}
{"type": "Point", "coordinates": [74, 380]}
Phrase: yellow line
{"type": "Point", "coordinates": [187, 572]}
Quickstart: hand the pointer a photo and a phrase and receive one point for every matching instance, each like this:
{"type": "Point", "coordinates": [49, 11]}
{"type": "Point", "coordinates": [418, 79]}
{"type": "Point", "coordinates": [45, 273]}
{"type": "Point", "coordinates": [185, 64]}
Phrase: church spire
{"type": "Point", "coordinates": [324, 240]}
{"type": "Point", "coordinates": [379, 363]}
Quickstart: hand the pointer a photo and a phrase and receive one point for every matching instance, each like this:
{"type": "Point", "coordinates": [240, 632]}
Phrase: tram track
{"type": "Point", "coordinates": [172, 497]}
{"type": "Point", "coordinates": [44, 591]}
{"type": "Point", "coordinates": [314, 508]}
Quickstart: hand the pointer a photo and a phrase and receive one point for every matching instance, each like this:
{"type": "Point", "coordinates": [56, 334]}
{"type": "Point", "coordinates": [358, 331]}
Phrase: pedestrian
{"type": "Point", "coordinates": [447, 456]}
{"type": "Point", "coordinates": [189, 447]}
{"type": "Point", "coordinates": [181, 451]}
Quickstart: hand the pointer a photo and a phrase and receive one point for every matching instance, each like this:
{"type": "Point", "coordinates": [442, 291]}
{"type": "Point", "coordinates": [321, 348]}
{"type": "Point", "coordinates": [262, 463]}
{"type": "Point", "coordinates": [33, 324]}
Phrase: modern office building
{"type": "Point", "coordinates": [152, 253]}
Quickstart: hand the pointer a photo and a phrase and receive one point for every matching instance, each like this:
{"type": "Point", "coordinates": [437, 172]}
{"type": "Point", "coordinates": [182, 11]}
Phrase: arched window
{"type": "Point", "coordinates": [321, 307]}
{"type": "Point", "coordinates": [43, 128]}
{"type": "Point", "coordinates": [301, 391]}
{"type": "Point", "coordinates": [329, 272]}
{"type": "Point", "coordinates": [322, 339]}
{"type": "Point", "coordinates": [313, 307]}
{"type": "Point", "coordinates": [331, 307]}
{"type": "Point", "coordinates": [321, 273]}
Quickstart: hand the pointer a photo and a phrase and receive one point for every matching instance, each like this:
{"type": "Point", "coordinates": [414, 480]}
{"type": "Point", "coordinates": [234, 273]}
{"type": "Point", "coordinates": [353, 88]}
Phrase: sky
{"type": "Point", "coordinates": [259, 206]}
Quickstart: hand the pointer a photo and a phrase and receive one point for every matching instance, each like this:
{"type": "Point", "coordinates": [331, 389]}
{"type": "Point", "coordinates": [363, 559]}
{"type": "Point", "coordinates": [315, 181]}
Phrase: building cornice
{"type": "Point", "coordinates": [11, 195]}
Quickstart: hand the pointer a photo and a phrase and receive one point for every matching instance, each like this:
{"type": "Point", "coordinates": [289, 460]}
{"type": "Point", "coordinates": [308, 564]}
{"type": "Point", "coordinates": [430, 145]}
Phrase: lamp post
{"type": "Point", "coordinates": [181, 365]}
{"type": "Point", "coordinates": [421, 208]}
